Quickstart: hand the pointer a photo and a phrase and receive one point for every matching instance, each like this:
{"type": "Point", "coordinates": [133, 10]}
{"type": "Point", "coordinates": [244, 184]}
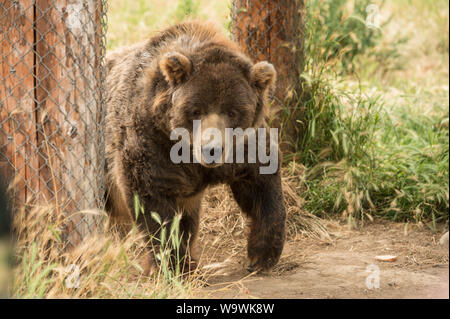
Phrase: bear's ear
{"type": "Point", "coordinates": [263, 75]}
{"type": "Point", "coordinates": [175, 67]}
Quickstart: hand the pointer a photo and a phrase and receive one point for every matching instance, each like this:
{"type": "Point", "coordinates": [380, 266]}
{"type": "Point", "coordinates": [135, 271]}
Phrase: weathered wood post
{"type": "Point", "coordinates": [273, 31]}
{"type": "Point", "coordinates": [51, 105]}
{"type": "Point", "coordinates": [17, 123]}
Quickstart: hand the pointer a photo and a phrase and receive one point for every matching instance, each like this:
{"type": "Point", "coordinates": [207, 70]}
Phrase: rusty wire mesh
{"type": "Point", "coordinates": [51, 107]}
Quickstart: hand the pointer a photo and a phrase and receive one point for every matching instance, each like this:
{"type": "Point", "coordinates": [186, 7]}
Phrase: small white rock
{"type": "Point", "coordinates": [390, 258]}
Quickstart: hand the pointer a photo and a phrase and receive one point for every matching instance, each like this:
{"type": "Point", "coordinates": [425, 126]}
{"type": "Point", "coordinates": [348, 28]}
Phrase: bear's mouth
{"type": "Point", "coordinates": [212, 165]}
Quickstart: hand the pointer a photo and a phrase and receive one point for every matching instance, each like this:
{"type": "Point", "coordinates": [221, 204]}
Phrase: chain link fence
{"type": "Point", "coordinates": [52, 95]}
{"type": "Point", "coordinates": [51, 107]}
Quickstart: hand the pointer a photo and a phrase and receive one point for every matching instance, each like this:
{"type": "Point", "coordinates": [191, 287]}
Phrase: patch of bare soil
{"type": "Point", "coordinates": [337, 267]}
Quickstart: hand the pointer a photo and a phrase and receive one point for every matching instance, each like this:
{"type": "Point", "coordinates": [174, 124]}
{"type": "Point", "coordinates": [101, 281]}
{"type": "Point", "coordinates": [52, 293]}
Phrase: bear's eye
{"type": "Point", "coordinates": [231, 114]}
{"type": "Point", "coordinates": [196, 113]}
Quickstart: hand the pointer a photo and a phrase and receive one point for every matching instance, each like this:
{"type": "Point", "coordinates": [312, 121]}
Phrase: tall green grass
{"type": "Point", "coordinates": [366, 152]}
{"type": "Point", "coordinates": [337, 31]}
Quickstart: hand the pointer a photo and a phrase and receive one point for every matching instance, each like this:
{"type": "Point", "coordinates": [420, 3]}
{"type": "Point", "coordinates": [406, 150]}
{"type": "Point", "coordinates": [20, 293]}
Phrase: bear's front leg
{"type": "Point", "coordinates": [261, 198]}
{"type": "Point", "coordinates": [167, 209]}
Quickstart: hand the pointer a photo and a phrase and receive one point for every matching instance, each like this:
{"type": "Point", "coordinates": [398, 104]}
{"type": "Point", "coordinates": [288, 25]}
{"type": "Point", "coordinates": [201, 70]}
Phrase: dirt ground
{"type": "Point", "coordinates": [334, 268]}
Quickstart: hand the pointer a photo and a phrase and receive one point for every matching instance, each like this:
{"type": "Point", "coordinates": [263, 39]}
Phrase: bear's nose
{"type": "Point", "coordinates": [212, 152]}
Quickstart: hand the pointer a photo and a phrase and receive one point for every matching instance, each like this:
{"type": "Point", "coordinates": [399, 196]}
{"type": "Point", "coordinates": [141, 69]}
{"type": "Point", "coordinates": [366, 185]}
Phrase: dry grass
{"type": "Point", "coordinates": [109, 266]}
{"type": "Point", "coordinates": [224, 227]}
{"type": "Point", "coordinates": [112, 267]}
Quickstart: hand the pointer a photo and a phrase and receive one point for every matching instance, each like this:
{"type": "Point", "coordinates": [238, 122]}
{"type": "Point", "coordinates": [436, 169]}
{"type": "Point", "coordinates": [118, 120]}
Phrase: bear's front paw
{"type": "Point", "coordinates": [264, 257]}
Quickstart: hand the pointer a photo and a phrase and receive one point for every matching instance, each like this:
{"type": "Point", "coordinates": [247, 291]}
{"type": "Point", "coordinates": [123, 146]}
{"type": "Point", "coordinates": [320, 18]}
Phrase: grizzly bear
{"type": "Point", "coordinates": [188, 72]}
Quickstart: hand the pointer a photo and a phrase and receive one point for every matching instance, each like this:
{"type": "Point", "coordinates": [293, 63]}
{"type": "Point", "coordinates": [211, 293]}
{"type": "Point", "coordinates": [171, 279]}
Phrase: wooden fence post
{"type": "Point", "coordinates": [62, 125]}
{"type": "Point", "coordinates": [273, 31]}
{"type": "Point", "coordinates": [17, 122]}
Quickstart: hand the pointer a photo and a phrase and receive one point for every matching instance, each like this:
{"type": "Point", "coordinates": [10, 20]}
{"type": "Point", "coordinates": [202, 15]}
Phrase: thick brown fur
{"type": "Point", "coordinates": [186, 72]}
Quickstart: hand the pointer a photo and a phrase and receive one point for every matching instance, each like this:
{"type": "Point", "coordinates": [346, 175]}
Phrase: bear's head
{"type": "Point", "coordinates": [219, 88]}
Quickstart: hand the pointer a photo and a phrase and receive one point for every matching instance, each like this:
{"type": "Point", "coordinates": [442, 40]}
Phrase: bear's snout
{"type": "Point", "coordinates": [212, 154]}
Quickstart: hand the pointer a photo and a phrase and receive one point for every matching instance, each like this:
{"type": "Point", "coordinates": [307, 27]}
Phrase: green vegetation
{"type": "Point", "coordinates": [375, 140]}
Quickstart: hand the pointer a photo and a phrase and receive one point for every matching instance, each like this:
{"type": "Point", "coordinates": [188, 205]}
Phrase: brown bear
{"type": "Point", "coordinates": [188, 72]}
